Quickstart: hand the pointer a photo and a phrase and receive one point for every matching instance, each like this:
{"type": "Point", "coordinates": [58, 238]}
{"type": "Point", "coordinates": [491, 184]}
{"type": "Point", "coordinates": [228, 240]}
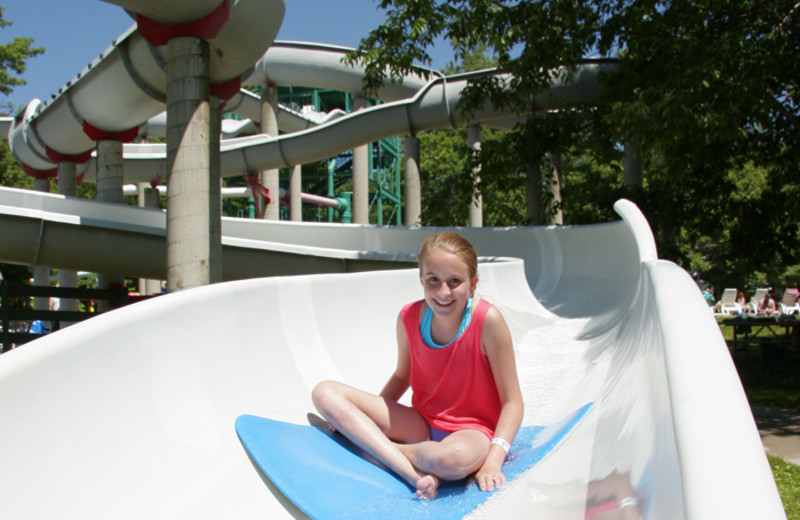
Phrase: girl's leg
{"type": "Point", "coordinates": [373, 423]}
{"type": "Point", "coordinates": [458, 455]}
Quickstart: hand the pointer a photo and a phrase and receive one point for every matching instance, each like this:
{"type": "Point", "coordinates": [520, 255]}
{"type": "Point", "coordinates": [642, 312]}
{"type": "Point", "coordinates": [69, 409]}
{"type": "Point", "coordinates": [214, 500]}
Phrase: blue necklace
{"type": "Point", "coordinates": [425, 326]}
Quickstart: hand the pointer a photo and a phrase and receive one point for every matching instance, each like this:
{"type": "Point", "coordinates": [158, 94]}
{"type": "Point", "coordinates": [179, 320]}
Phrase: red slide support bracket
{"type": "Point", "coordinates": [207, 27]}
{"type": "Point", "coordinates": [98, 134]}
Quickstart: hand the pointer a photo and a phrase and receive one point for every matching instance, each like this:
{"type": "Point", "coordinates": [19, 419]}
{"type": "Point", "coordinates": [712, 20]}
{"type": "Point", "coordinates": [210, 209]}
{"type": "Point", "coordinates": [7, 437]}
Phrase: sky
{"type": "Point", "coordinates": [74, 32]}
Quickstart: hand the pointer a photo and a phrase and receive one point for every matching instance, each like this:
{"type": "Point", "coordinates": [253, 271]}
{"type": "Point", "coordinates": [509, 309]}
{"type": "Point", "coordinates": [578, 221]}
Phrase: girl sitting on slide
{"type": "Point", "coordinates": [456, 354]}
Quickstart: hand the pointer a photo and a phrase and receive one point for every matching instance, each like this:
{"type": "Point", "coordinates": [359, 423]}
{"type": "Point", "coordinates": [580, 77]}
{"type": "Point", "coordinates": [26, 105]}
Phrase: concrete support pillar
{"type": "Point", "coordinates": [41, 184]}
{"type": "Point", "coordinates": [67, 177]}
{"type": "Point", "coordinates": [554, 190]}
{"type": "Point", "coordinates": [296, 193]}
{"type": "Point", "coordinates": [193, 236]}
{"type": "Point", "coordinates": [412, 189]}
{"type": "Point", "coordinates": [109, 171]}
{"type": "Point", "coordinates": [360, 174]}
{"type": "Point", "coordinates": [476, 206]}
{"type": "Point", "coordinates": [533, 194]}
{"type": "Point", "coordinates": [632, 175]}
{"type": "Point", "coordinates": [109, 189]}
{"type": "Point", "coordinates": [215, 190]}
{"type": "Point", "coordinates": [269, 125]}
{"type": "Point", "coordinates": [41, 273]}
{"type": "Point", "coordinates": [148, 198]}
{"type": "Point", "coordinates": [41, 278]}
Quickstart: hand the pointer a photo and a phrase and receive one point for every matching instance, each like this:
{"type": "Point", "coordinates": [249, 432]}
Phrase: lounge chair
{"type": "Point", "coordinates": [789, 303]}
{"type": "Point", "coordinates": [755, 301]}
{"type": "Point", "coordinates": [728, 305]}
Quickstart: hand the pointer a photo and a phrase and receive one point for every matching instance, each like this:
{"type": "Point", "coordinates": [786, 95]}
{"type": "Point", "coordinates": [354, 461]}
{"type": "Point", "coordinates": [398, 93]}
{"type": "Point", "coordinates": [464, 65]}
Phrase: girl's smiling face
{"type": "Point", "coordinates": [446, 282]}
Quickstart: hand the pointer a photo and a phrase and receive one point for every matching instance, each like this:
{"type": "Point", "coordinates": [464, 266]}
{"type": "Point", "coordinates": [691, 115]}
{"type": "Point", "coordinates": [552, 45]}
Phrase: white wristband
{"type": "Point", "coordinates": [502, 443]}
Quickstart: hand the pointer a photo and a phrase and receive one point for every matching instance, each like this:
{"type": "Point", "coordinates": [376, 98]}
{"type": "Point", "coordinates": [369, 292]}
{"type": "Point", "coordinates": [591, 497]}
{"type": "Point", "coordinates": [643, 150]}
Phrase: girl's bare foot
{"type": "Point", "coordinates": [427, 487]}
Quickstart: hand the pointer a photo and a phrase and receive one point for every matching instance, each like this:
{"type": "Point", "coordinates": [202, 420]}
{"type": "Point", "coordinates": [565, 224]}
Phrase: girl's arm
{"type": "Point", "coordinates": [399, 381]}
{"type": "Point", "coordinates": [496, 340]}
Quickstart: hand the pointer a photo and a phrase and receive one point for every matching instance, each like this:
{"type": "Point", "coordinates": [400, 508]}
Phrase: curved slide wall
{"type": "Point", "coordinates": [130, 414]}
{"type": "Point", "coordinates": [73, 233]}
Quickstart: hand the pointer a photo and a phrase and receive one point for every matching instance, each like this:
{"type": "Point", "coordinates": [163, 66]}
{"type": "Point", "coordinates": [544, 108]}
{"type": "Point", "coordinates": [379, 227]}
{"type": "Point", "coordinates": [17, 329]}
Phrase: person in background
{"type": "Point", "coordinates": [55, 305]}
{"type": "Point", "coordinates": [708, 294]}
{"type": "Point", "coordinates": [744, 303]}
{"type": "Point", "coordinates": [767, 306]}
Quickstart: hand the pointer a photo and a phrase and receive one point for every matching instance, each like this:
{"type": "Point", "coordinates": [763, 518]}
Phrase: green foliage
{"type": "Point", "coordinates": [444, 176]}
{"type": "Point", "coordinates": [450, 173]}
{"type": "Point", "coordinates": [11, 173]}
{"type": "Point", "coordinates": [716, 71]}
{"type": "Point", "coordinates": [591, 187]}
{"type": "Point", "coordinates": [503, 183]}
{"type": "Point", "coordinates": [791, 276]}
{"type": "Point", "coordinates": [470, 59]}
{"type": "Point", "coordinates": [543, 34]}
{"type": "Point", "coordinates": [13, 57]}
{"type": "Point", "coordinates": [770, 383]}
{"type": "Point", "coordinates": [787, 478]}
{"type": "Point", "coordinates": [449, 178]}
{"type": "Point", "coordinates": [707, 90]}
{"type": "Point", "coordinates": [773, 384]}
{"type": "Point", "coordinates": [88, 190]}
{"type": "Point", "coordinates": [16, 274]}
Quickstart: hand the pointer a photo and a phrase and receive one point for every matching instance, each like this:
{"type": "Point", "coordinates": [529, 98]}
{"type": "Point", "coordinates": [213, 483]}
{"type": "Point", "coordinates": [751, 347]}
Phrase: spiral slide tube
{"type": "Point", "coordinates": [433, 106]}
{"type": "Point", "coordinates": [126, 85]}
{"type": "Point", "coordinates": [46, 133]}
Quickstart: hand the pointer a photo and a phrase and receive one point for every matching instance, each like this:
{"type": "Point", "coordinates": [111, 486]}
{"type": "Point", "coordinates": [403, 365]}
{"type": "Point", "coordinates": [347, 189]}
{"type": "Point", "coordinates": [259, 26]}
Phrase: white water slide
{"type": "Point", "coordinates": [130, 414]}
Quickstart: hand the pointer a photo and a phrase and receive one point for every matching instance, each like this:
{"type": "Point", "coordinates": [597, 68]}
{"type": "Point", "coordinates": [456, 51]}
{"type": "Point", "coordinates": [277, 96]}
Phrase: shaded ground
{"type": "Point", "coordinates": [780, 431]}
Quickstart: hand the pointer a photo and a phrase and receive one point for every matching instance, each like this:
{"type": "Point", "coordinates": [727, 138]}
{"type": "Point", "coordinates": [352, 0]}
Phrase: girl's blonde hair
{"type": "Point", "coordinates": [452, 243]}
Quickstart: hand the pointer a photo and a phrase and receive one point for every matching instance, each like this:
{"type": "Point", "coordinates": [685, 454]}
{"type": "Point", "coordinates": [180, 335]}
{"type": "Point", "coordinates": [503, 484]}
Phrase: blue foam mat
{"type": "Point", "coordinates": [326, 476]}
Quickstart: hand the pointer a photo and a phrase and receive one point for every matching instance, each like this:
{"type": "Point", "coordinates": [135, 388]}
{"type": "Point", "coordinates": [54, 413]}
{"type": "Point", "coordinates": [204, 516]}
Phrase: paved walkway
{"type": "Point", "coordinates": [780, 432]}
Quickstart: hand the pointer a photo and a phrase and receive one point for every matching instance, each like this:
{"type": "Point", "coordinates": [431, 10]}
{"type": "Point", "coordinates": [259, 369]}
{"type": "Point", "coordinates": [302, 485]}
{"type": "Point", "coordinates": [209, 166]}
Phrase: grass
{"type": "Point", "coordinates": [768, 382]}
{"type": "Point", "coordinates": [787, 476]}
{"type": "Point", "coordinates": [773, 382]}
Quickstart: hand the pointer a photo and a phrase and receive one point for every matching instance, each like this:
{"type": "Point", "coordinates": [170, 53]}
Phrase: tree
{"type": "Point", "coordinates": [447, 168]}
{"type": "Point", "coordinates": [11, 173]}
{"type": "Point", "coordinates": [13, 58]}
{"type": "Point", "coordinates": [706, 90]}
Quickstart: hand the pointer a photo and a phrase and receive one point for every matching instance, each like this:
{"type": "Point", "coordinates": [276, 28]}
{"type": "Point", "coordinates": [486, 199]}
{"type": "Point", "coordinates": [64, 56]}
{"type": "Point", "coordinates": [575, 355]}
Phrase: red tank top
{"type": "Point", "coordinates": [453, 387]}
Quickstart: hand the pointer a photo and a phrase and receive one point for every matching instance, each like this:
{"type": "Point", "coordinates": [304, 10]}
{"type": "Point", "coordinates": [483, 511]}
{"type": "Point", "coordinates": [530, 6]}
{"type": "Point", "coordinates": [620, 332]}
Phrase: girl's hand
{"type": "Point", "coordinates": [490, 477]}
